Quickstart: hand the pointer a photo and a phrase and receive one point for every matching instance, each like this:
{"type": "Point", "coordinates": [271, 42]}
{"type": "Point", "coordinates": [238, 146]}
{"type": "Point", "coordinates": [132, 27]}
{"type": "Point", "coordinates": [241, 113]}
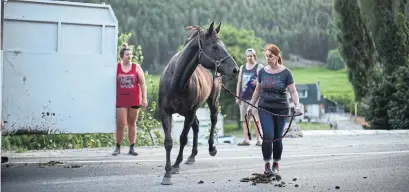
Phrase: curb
{"type": "Point", "coordinates": [352, 132]}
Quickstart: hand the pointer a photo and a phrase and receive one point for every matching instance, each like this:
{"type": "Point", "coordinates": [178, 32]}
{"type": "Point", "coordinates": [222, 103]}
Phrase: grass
{"type": "Point", "coordinates": [313, 126]}
{"type": "Point", "coordinates": [333, 83]}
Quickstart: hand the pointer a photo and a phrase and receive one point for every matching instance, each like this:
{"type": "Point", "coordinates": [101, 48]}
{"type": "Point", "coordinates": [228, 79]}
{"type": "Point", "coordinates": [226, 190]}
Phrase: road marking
{"type": "Point", "coordinates": [156, 175]}
{"type": "Point", "coordinates": [223, 158]}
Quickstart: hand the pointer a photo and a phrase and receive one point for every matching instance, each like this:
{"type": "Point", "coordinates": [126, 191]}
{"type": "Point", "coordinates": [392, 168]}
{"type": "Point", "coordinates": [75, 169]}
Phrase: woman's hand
{"type": "Point", "coordinates": [144, 103]}
{"type": "Point", "coordinates": [250, 109]}
{"type": "Point", "coordinates": [238, 101]}
{"type": "Point", "coordinates": [297, 110]}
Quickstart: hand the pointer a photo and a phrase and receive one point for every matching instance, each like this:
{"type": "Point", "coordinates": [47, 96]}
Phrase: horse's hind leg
{"type": "Point", "coordinates": [166, 124]}
{"type": "Point", "coordinates": [195, 127]}
{"type": "Point", "coordinates": [183, 141]}
{"type": "Point", "coordinates": [213, 105]}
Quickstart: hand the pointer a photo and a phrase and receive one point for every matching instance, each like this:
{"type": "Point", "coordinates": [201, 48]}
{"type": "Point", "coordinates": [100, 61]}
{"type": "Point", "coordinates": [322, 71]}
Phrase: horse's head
{"type": "Point", "coordinates": [213, 53]}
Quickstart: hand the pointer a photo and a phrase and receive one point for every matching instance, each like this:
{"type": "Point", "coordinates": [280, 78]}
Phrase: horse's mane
{"type": "Point", "coordinates": [193, 31]}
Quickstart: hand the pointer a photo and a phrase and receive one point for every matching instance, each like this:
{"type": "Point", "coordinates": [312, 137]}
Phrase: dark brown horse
{"type": "Point", "coordinates": [185, 85]}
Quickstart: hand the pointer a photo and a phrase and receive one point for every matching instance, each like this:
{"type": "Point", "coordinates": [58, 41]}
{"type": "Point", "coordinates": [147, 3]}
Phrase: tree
{"type": "Point", "coordinates": [389, 26]}
{"type": "Point", "coordinates": [384, 88]}
{"type": "Point", "coordinates": [302, 27]}
{"type": "Point", "coordinates": [355, 46]}
{"type": "Point", "coordinates": [335, 61]}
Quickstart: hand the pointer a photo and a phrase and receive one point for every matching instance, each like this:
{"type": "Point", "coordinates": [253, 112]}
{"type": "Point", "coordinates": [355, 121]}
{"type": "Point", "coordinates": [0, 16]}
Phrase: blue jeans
{"type": "Point", "coordinates": [273, 128]}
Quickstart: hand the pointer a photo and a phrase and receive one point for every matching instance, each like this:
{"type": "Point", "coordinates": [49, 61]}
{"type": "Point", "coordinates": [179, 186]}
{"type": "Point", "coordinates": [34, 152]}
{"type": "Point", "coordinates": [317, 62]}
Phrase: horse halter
{"type": "Point", "coordinates": [217, 63]}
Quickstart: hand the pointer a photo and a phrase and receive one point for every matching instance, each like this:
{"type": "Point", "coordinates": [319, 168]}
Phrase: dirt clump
{"type": "Point", "coordinates": [264, 179]}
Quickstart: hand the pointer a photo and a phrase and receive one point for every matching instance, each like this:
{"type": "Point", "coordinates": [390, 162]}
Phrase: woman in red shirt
{"type": "Point", "coordinates": [130, 97]}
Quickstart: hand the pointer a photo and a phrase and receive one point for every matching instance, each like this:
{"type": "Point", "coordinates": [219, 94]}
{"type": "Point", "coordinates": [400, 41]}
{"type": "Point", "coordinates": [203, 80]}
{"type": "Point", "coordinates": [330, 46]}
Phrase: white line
{"type": "Point", "coordinates": [187, 172]}
{"type": "Point", "coordinates": [223, 158]}
{"type": "Point", "coordinates": [248, 167]}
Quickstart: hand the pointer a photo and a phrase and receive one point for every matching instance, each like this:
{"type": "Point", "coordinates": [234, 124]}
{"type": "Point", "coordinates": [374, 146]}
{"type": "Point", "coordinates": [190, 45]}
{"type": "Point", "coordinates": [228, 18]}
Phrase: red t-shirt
{"type": "Point", "coordinates": [128, 90]}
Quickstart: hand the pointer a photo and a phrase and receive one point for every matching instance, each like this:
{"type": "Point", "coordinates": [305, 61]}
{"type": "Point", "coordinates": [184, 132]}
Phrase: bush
{"type": "Point", "coordinates": [335, 60]}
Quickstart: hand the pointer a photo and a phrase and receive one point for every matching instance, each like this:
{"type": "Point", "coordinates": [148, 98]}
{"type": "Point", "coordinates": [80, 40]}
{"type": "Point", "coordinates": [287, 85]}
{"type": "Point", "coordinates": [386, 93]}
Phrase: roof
{"type": "Point", "coordinates": [61, 22]}
{"type": "Point", "coordinates": [61, 11]}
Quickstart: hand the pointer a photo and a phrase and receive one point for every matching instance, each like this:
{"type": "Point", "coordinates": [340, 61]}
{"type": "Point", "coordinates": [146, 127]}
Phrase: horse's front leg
{"type": "Point", "coordinates": [166, 124]}
{"type": "Point", "coordinates": [183, 141]}
{"type": "Point", "coordinates": [213, 105]}
{"type": "Point", "coordinates": [195, 127]}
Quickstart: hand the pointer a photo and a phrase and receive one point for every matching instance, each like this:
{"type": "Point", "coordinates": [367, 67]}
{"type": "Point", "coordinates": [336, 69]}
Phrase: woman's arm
{"type": "Point", "coordinates": [141, 80]}
{"type": "Point", "coordinates": [238, 86]}
{"type": "Point", "coordinates": [294, 94]}
{"type": "Point", "coordinates": [256, 94]}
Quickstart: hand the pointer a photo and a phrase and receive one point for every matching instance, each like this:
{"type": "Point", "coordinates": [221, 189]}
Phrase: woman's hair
{"type": "Point", "coordinates": [275, 50]}
{"type": "Point", "coordinates": [251, 50]}
{"type": "Point", "coordinates": [124, 48]}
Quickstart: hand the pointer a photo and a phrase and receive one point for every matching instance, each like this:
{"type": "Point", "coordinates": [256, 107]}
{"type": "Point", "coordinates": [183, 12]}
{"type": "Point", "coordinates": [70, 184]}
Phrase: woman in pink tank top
{"type": "Point", "coordinates": [130, 97]}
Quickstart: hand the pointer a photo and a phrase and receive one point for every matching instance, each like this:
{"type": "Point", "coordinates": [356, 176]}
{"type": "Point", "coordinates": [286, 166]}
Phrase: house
{"type": "Point", "coordinates": [311, 101]}
{"type": "Point", "coordinates": [330, 106]}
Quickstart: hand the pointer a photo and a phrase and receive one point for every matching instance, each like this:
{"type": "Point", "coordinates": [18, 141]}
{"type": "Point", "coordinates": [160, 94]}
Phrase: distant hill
{"type": "Point", "coordinates": [300, 27]}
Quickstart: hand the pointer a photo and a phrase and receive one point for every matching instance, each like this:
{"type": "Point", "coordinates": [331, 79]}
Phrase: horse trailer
{"type": "Point", "coordinates": [59, 66]}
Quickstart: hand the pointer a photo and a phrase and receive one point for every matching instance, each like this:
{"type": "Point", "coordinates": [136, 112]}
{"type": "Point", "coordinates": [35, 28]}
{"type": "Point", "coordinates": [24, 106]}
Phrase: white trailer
{"type": "Point", "coordinates": [59, 66]}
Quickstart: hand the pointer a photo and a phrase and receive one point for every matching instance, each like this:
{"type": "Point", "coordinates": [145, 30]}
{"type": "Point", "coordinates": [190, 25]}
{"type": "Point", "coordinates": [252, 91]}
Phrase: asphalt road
{"type": "Point", "coordinates": [318, 162]}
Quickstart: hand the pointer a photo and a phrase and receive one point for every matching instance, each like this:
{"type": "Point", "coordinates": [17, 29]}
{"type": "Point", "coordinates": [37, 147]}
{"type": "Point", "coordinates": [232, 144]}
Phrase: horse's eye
{"type": "Point", "coordinates": [214, 47]}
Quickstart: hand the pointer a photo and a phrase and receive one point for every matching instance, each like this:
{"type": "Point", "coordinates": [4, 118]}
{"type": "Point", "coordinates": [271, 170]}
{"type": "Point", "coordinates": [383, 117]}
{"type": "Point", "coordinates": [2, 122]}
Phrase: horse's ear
{"type": "Point", "coordinates": [218, 28]}
{"type": "Point", "coordinates": [211, 29]}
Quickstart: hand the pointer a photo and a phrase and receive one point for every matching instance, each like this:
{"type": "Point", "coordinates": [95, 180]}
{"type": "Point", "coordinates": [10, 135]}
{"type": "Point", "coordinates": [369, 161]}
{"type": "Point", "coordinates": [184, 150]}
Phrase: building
{"type": "Point", "coordinates": [311, 101]}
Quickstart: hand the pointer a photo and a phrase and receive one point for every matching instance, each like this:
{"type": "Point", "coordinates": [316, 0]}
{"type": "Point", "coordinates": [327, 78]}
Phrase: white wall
{"type": "Point", "coordinates": [1, 74]}
{"type": "Point", "coordinates": [203, 115]}
{"type": "Point", "coordinates": [312, 110]}
{"type": "Point", "coordinates": [59, 66]}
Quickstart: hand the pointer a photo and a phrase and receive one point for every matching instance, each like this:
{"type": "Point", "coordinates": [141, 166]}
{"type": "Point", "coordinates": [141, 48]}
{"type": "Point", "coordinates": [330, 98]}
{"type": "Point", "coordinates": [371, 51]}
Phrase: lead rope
{"type": "Point", "coordinates": [273, 114]}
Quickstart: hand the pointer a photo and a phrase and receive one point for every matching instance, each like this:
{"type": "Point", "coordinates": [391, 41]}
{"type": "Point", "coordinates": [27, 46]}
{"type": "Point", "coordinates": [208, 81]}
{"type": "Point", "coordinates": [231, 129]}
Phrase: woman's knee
{"type": "Point", "coordinates": [132, 117]}
{"type": "Point", "coordinates": [121, 124]}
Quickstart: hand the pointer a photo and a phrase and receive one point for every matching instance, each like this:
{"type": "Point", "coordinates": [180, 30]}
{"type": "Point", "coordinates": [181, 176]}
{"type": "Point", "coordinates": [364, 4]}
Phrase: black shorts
{"type": "Point", "coordinates": [133, 107]}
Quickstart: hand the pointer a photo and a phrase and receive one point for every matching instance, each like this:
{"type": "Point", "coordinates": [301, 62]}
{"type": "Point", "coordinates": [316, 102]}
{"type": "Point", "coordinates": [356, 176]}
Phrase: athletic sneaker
{"type": "Point", "coordinates": [244, 143]}
{"type": "Point", "coordinates": [258, 143]}
{"type": "Point", "coordinates": [276, 169]}
{"type": "Point", "coordinates": [267, 170]}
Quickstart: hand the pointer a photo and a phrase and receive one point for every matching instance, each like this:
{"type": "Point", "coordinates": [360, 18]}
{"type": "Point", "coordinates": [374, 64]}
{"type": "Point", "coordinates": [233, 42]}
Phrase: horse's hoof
{"type": "Point", "coordinates": [190, 161]}
{"type": "Point", "coordinates": [167, 181]}
{"type": "Point", "coordinates": [214, 152]}
{"type": "Point", "coordinates": [174, 170]}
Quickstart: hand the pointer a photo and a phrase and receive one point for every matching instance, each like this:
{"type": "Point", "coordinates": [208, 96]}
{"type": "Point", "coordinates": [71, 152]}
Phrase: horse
{"type": "Point", "coordinates": [186, 83]}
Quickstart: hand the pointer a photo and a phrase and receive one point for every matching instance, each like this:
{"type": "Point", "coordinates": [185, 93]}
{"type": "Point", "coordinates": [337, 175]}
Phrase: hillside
{"type": "Point", "coordinates": [302, 27]}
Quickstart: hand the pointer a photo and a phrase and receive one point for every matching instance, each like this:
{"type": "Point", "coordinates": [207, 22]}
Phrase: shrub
{"type": "Point", "coordinates": [334, 60]}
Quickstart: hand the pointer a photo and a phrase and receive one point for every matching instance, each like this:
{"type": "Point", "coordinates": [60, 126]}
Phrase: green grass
{"type": "Point", "coordinates": [231, 129]}
{"type": "Point", "coordinates": [313, 126]}
{"type": "Point", "coordinates": [333, 83]}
